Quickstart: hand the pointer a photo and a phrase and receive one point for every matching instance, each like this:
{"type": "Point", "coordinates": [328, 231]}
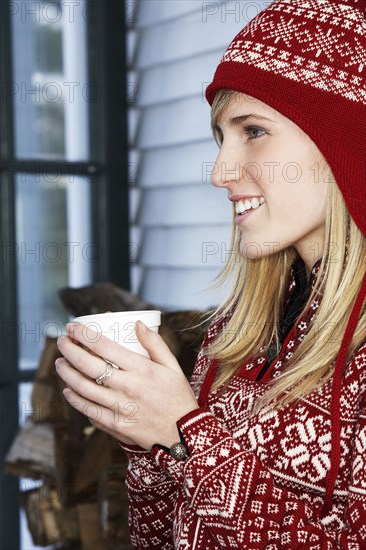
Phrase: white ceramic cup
{"type": "Point", "coordinates": [120, 327]}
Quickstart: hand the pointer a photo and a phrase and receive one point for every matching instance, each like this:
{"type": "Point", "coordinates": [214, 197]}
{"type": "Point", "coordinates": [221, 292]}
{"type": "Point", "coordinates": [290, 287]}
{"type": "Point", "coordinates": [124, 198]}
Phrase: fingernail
{"type": "Point", "coordinates": [143, 327]}
{"type": "Point", "coordinates": [66, 394]}
{"type": "Point", "coordinates": [60, 339]}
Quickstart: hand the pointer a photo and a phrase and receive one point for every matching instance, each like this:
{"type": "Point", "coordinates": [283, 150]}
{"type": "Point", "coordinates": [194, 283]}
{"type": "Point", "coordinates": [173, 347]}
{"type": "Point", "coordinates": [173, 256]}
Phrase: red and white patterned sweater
{"type": "Point", "coordinates": [256, 482]}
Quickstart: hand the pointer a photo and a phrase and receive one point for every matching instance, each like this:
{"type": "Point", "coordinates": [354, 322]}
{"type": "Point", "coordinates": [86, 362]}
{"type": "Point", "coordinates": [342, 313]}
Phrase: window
{"type": "Point", "coordinates": [63, 212]}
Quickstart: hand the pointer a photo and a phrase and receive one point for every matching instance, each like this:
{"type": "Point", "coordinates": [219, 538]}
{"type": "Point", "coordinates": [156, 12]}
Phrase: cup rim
{"type": "Point", "coordinates": [155, 313]}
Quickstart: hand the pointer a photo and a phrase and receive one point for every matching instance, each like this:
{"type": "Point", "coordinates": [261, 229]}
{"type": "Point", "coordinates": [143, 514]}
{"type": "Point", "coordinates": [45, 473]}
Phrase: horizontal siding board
{"type": "Point", "coordinates": [188, 205]}
{"type": "Point", "coordinates": [153, 12]}
{"type": "Point", "coordinates": [134, 161]}
{"type": "Point", "coordinates": [186, 247]}
{"type": "Point", "coordinates": [178, 40]}
{"type": "Point", "coordinates": [132, 9]}
{"type": "Point", "coordinates": [176, 289]}
{"type": "Point", "coordinates": [135, 239]}
{"type": "Point", "coordinates": [134, 119]}
{"type": "Point", "coordinates": [165, 167]}
{"type": "Point", "coordinates": [136, 268]}
{"type": "Point", "coordinates": [131, 44]}
{"type": "Point", "coordinates": [136, 274]}
{"type": "Point", "coordinates": [183, 121]}
{"type": "Point", "coordinates": [133, 202]}
{"type": "Point", "coordinates": [133, 78]}
{"type": "Point", "coordinates": [193, 34]}
{"type": "Point", "coordinates": [180, 225]}
{"type": "Point", "coordinates": [169, 82]}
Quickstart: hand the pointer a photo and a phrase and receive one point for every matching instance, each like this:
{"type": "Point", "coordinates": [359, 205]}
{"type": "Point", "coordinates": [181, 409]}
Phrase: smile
{"type": "Point", "coordinates": [240, 218]}
{"type": "Point", "coordinates": [244, 206]}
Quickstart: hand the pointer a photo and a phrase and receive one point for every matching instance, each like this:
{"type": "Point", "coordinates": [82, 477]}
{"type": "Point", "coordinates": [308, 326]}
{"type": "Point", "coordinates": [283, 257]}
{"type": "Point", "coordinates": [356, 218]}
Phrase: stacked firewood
{"type": "Point", "coordinates": [81, 501]}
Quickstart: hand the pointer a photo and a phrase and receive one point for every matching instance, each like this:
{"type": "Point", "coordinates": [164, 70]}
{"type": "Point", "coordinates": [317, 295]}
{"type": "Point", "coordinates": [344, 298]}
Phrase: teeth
{"type": "Point", "coordinates": [239, 207]}
{"type": "Point", "coordinates": [243, 206]}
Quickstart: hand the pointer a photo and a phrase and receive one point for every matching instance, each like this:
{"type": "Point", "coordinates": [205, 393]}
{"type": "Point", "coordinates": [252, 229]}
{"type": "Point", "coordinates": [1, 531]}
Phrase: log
{"type": "Point", "coordinates": [75, 420]}
{"type": "Point", "coordinates": [49, 452]}
{"type": "Point", "coordinates": [48, 403]}
{"type": "Point", "coordinates": [46, 369]}
{"type": "Point", "coordinates": [48, 522]}
{"type": "Point", "coordinates": [99, 298]}
{"type": "Point", "coordinates": [90, 532]}
{"type": "Point", "coordinates": [32, 452]}
{"type": "Point", "coordinates": [99, 451]}
{"type": "Point", "coordinates": [113, 506]}
{"type": "Point", "coordinates": [188, 338]}
{"type": "Point", "coordinates": [84, 468]}
{"type": "Point", "coordinates": [184, 322]}
{"type": "Point", "coordinates": [68, 450]}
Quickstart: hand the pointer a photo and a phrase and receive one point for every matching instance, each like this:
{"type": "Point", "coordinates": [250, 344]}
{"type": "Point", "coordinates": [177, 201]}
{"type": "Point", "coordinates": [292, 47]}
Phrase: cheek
{"type": "Point", "coordinates": [314, 198]}
{"type": "Point", "coordinates": [304, 210]}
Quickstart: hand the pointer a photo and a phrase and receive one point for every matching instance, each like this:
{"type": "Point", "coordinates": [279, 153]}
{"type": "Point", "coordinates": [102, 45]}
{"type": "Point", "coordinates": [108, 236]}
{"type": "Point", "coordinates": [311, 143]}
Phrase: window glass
{"type": "Point", "coordinates": [46, 254]}
{"type": "Point", "coordinates": [50, 89]}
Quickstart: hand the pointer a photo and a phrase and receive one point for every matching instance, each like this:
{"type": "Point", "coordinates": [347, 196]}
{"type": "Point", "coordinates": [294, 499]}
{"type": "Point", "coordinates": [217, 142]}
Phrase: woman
{"type": "Point", "coordinates": [267, 446]}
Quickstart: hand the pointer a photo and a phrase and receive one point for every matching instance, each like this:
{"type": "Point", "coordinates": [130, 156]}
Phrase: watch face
{"type": "Point", "coordinates": [179, 451]}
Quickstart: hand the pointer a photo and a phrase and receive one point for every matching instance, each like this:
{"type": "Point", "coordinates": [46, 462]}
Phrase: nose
{"type": "Point", "coordinates": [226, 168]}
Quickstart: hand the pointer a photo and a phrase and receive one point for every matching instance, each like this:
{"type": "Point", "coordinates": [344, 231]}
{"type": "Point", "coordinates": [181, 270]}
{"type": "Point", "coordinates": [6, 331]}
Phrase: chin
{"type": "Point", "coordinates": [253, 250]}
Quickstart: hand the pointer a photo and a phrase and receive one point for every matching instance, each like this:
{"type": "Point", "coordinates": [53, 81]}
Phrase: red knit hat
{"type": "Point", "coordinates": [307, 60]}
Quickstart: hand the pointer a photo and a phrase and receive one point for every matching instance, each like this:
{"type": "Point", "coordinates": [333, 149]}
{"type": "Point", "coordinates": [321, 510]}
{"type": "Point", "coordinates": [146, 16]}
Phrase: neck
{"type": "Point", "coordinates": [309, 260]}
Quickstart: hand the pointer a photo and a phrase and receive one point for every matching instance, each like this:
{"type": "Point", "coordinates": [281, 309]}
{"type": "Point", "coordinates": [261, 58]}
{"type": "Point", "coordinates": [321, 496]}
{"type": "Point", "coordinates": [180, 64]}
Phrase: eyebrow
{"type": "Point", "coordinates": [234, 121]}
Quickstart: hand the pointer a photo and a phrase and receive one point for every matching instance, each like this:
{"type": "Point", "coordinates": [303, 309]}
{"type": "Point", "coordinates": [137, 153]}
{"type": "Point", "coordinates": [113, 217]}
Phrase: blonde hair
{"type": "Point", "coordinates": [258, 290]}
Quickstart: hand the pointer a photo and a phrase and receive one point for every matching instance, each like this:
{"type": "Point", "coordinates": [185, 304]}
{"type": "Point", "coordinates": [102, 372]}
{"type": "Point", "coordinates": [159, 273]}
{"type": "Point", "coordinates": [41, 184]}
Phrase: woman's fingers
{"type": "Point", "coordinates": [157, 348]}
{"type": "Point", "coordinates": [110, 419]}
{"type": "Point", "coordinates": [94, 411]}
{"type": "Point", "coordinates": [102, 346]}
{"type": "Point", "coordinates": [83, 385]}
{"type": "Point", "coordinates": [118, 403]}
{"type": "Point", "coordinates": [144, 398]}
{"type": "Point", "coordinates": [90, 365]}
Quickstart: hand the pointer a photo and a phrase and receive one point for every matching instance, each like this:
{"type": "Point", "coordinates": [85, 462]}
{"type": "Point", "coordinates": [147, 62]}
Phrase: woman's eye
{"type": "Point", "coordinates": [249, 129]}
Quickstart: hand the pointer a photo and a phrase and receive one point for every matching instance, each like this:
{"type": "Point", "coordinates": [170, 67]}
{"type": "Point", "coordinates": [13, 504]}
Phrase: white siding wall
{"type": "Point", "coordinates": [180, 224]}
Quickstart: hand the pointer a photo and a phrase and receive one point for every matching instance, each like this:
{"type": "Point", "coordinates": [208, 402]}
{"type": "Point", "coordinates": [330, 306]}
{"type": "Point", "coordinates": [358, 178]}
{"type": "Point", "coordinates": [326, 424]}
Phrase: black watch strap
{"type": "Point", "coordinates": [179, 450]}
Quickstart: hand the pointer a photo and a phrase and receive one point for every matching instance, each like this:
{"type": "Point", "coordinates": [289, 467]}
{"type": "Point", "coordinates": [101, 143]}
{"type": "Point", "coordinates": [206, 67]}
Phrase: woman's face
{"type": "Point", "coordinates": [273, 159]}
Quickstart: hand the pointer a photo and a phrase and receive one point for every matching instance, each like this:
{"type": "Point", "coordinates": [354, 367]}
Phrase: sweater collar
{"type": "Point", "coordinates": [299, 274]}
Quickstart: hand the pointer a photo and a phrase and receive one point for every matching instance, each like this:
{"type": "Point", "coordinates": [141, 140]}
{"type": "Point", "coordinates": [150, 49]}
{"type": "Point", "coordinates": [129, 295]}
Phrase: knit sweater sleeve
{"type": "Point", "coordinates": [151, 497]}
{"type": "Point", "coordinates": [237, 498]}
{"type": "Point", "coordinates": [152, 492]}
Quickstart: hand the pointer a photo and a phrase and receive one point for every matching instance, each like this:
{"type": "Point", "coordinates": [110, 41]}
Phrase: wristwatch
{"type": "Point", "coordinates": [179, 451]}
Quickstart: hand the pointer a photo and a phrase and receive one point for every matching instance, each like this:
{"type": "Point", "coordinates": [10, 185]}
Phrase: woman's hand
{"type": "Point", "coordinates": [141, 401]}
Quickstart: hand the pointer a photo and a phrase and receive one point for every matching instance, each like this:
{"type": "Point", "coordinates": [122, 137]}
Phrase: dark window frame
{"type": "Point", "coordinates": [108, 175]}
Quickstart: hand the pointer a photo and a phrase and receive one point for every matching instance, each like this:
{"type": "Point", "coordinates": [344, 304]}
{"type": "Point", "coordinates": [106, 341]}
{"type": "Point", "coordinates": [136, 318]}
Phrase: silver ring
{"type": "Point", "coordinates": [106, 374]}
